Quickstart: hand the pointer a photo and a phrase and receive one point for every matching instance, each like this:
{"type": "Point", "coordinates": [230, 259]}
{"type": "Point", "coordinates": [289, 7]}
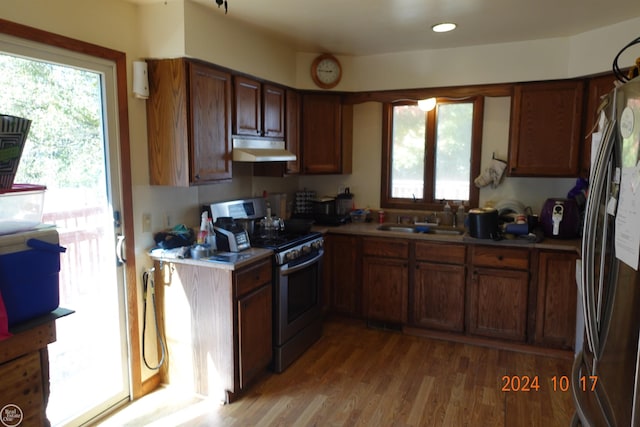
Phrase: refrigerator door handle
{"type": "Point", "coordinates": [578, 396]}
{"type": "Point", "coordinates": [588, 240]}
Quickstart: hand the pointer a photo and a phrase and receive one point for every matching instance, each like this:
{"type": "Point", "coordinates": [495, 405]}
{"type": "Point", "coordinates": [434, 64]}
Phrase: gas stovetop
{"type": "Point", "coordinates": [282, 241]}
{"type": "Point", "coordinates": [290, 247]}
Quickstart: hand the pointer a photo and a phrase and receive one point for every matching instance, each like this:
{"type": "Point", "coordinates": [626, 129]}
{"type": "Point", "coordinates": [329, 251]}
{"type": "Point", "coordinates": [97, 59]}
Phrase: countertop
{"type": "Point", "coordinates": [220, 260]}
{"type": "Point", "coordinates": [371, 230]}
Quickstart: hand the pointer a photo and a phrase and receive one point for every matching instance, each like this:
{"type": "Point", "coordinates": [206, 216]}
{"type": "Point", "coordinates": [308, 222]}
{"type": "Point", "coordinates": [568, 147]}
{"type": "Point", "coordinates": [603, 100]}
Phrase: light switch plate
{"type": "Point", "coordinates": [146, 223]}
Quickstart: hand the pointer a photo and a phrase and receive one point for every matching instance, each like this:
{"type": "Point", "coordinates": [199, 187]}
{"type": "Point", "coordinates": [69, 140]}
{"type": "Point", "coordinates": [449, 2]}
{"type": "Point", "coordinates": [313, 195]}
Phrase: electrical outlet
{"type": "Point", "coordinates": [146, 223]}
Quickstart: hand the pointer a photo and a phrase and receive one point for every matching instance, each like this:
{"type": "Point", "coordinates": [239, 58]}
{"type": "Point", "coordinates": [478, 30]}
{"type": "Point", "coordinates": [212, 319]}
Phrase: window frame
{"type": "Point", "coordinates": [426, 201]}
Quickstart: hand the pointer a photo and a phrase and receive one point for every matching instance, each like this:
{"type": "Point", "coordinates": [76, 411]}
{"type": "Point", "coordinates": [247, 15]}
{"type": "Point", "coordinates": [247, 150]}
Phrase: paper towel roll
{"type": "Point", "coordinates": [140, 80]}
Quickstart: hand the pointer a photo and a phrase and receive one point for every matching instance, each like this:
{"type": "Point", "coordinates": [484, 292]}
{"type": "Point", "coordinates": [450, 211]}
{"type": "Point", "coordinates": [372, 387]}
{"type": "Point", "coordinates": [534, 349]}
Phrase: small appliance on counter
{"type": "Point", "coordinates": [331, 210]}
{"type": "Point", "coordinates": [560, 218]}
{"type": "Point", "coordinates": [344, 202]}
{"type": "Point", "coordinates": [483, 223]}
{"type": "Point", "coordinates": [324, 206]}
{"type": "Point", "coordinates": [230, 236]}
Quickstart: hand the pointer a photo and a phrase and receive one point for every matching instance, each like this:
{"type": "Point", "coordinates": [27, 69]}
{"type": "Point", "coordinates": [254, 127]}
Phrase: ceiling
{"type": "Point", "coordinates": [369, 27]}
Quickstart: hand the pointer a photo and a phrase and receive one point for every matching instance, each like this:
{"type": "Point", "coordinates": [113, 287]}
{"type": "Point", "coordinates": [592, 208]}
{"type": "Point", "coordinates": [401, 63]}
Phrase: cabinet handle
{"type": "Point", "coordinates": [500, 257]}
{"type": "Point", "coordinates": [197, 177]}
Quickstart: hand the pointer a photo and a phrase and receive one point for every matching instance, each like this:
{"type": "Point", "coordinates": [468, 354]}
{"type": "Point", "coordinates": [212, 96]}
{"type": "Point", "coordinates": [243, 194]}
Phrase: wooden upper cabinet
{"type": "Point", "coordinates": [248, 107]}
{"type": "Point", "coordinates": [210, 142]}
{"type": "Point", "coordinates": [546, 123]}
{"type": "Point", "coordinates": [273, 111]}
{"type": "Point", "coordinates": [326, 134]}
{"type": "Point", "coordinates": [292, 134]}
{"type": "Point", "coordinates": [188, 123]}
{"type": "Point", "coordinates": [259, 108]}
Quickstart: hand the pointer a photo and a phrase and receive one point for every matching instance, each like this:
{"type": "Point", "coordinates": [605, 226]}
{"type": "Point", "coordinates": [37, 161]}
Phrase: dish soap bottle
{"type": "Point", "coordinates": [447, 215]}
{"type": "Point", "coordinates": [203, 234]}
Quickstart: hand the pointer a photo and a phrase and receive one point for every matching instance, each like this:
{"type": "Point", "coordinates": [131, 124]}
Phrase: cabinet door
{"type": "Point", "coordinates": [385, 289]}
{"type": "Point", "coordinates": [210, 112]}
{"type": "Point", "coordinates": [546, 122]}
{"type": "Point", "coordinates": [167, 123]}
{"type": "Point", "coordinates": [343, 274]}
{"type": "Point", "coordinates": [274, 100]}
{"type": "Point", "coordinates": [498, 303]}
{"type": "Point", "coordinates": [557, 295]}
{"type": "Point", "coordinates": [248, 107]}
{"type": "Point", "coordinates": [438, 296]}
{"type": "Point", "coordinates": [321, 133]}
{"type": "Point", "coordinates": [254, 334]}
{"type": "Point", "coordinates": [292, 138]}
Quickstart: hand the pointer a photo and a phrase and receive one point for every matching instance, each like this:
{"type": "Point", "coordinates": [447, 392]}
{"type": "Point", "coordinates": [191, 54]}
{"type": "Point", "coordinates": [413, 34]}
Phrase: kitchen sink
{"type": "Point", "coordinates": [428, 229]}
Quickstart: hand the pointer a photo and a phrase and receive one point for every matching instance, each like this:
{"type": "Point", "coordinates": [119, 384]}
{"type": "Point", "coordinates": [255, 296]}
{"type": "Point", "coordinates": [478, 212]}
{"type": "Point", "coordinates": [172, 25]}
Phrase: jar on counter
{"type": "Point", "coordinates": [381, 216]}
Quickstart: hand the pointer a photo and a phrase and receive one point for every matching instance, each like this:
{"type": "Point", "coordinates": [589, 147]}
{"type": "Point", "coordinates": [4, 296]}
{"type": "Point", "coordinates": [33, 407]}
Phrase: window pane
{"type": "Point", "coordinates": [407, 152]}
{"type": "Point", "coordinates": [453, 151]}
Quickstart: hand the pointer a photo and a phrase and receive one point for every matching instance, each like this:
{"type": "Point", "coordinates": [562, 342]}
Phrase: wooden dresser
{"type": "Point", "coordinates": [24, 369]}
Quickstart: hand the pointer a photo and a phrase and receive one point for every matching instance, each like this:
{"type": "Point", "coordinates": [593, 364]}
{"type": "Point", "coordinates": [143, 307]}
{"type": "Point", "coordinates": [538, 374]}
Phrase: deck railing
{"type": "Point", "coordinates": [82, 232]}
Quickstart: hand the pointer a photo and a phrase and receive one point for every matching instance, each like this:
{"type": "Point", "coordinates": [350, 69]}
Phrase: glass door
{"type": "Point", "coordinates": [72, 149]}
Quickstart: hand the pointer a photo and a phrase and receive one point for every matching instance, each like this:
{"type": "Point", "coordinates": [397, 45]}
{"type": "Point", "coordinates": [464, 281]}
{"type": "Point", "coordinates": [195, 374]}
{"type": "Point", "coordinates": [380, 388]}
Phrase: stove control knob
{"type": "Point", "coordinates": [306, 249]}
{"type": "Point", "coordinates": [292, 254]}
{"type": "Point", "coordinates": [317, 245]}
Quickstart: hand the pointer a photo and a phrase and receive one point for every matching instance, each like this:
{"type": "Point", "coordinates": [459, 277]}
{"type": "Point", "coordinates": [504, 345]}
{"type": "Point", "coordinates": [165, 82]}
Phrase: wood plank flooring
{"type": "Point", "coordinates": [356, 376]}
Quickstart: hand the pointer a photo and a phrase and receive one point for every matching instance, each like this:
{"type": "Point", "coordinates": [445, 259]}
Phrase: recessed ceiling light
{"type": "Point", "coordinates": [444, 27]}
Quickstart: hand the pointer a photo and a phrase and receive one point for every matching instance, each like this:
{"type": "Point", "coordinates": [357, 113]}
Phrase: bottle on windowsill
{"type": "Point", "coordinates": [447, 215]}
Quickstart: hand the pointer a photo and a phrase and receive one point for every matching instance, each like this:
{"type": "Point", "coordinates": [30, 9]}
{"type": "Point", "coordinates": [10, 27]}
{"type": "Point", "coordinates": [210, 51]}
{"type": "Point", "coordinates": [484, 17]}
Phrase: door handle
{"type": "Point", "coordinates": [120, 257]}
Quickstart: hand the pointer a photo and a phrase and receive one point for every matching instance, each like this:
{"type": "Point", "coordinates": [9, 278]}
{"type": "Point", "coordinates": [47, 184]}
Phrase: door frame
{"type": "Point", "coordinates": [120, 60]}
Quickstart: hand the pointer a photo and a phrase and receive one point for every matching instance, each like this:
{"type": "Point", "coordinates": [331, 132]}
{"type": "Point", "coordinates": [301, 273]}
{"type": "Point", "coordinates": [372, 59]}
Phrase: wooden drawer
{"type": "Point", "coordinates": [501, 257]}
{"type": "Point", "coordinates": [252, 277]}
{"type": "Point", "coordinates": [441, 253]}
{"type": "Point", "coordinates": [22, 386]}
{"type": "Point", "coordinates": [388, 248]}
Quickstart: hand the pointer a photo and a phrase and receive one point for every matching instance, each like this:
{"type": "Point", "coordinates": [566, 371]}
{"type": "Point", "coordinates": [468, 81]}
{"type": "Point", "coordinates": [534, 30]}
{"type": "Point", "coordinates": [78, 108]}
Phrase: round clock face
{"type": "Point", "coordinates": [326, 71]}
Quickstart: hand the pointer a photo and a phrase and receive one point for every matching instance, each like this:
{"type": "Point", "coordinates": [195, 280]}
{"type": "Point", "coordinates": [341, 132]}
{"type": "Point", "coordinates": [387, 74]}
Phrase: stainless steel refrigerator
{"type": "Point", "coordinates": [605, 378]}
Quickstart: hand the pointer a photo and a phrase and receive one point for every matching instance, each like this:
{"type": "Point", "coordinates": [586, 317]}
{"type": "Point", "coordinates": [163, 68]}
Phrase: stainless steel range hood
{"type": "Point", "coordinates": [260, 150]}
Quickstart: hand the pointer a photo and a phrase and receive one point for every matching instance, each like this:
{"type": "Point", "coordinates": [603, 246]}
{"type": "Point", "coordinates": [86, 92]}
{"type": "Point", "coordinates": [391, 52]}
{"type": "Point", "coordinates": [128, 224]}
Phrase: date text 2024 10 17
{"type": "Point", "coordinates": [526, 383]}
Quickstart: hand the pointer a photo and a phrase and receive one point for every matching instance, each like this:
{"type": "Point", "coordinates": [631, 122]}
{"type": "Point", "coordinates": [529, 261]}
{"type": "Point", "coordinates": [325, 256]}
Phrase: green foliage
{"type": "Point", "coordinates": [452, 153]}
{"type": "Point", "coordinates": [409, 125]}
{"type": "Point", "coordinates": [64, 148]}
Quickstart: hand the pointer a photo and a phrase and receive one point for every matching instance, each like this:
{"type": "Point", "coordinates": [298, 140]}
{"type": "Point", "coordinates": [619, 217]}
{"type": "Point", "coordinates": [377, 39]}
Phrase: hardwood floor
{"type": "Point", "coordinates": [366, 377]}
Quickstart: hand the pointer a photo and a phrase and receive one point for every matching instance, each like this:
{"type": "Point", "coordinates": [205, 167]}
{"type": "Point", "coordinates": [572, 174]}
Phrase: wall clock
{"type": "Point", "coordinates": [326, 71]}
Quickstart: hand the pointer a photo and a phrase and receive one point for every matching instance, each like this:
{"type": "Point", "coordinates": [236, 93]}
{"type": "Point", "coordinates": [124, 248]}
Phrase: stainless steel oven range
{"type": "Point", "coordinates": [297, 280]}
{"type": "Point", "coordinates": [297, 287]}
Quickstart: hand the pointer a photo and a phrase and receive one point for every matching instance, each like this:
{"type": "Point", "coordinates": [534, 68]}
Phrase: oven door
{"type": "Point", "coordinates": [297, 296]}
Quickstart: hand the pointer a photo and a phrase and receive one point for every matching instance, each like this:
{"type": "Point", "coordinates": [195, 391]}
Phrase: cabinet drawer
{"type": "Point", "coordinates": [252, 277]}
{"type": "Point", "coordinates": [22, 386]}
{"type": "Point", "coordinates": [501, 257]}
{"type": "Point", "coordinates": [388, 248]}
{"type": "Point", "coordinates": [441, 253]}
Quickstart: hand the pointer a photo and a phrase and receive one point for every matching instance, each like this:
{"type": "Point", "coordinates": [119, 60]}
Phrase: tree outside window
{"type": "Point", "coordinates": [433, 156]}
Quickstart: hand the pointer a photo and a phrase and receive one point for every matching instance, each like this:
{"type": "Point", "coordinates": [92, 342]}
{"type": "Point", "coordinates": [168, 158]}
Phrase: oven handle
{"type": "Point", "coordinates": [286, 270]}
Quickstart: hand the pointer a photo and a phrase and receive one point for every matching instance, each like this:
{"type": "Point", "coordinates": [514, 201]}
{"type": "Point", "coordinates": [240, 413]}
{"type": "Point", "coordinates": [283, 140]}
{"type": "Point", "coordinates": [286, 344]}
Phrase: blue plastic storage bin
{"type": "Point", "coordinates": [29, 274]}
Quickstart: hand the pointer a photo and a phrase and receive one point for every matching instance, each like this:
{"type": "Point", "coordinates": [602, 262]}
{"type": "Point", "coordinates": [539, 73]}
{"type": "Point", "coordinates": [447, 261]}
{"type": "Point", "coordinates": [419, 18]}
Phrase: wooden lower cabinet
{"type": "Point", "coordinates": [342, 275]}
{"type": "Point", "coordinates": [438, 286]}
{"type": "Point", "coordinates": [385, 289]}
{"type": "Point", "coordinates": [217, 324]}
{"type": "Point", "coordinates": [498, 303]}
{"type": "Point", "coordinates": [508, 293]}
{"type": "Point", "coordinates": [385, 279]}
{"type": "Point", "coordinates": [438, 296]}
{"type": "Point", "coordinates": [557, 300]}
{"type": "Point", "coordinates": [254, 333]}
